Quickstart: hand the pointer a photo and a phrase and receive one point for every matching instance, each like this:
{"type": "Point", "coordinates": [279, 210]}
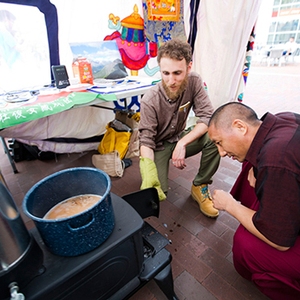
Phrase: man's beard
{"type": "Point", "coordinates": [174, 96]}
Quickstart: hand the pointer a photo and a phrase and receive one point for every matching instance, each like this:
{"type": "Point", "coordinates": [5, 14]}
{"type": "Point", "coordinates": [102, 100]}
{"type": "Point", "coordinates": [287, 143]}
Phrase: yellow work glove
{"type": "Point", "coordinates": [150, 177]}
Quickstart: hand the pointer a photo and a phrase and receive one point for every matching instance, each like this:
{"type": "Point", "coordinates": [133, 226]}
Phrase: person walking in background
{"type": "Point", "coordinates": [164, 112]}
{"type": "Point", "coordinates": [265, 198]}
{"type": "Point", "coordinates": [290, 46]}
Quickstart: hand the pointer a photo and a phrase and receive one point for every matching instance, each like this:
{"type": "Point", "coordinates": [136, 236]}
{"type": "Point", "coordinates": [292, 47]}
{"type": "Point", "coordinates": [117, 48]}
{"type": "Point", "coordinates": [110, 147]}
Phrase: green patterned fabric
{"type": "Point", "coordinates": [17, 115]}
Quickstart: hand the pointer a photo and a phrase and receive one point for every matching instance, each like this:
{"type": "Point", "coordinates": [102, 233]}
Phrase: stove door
{"type": "Point", "coordinates": [109, 274]}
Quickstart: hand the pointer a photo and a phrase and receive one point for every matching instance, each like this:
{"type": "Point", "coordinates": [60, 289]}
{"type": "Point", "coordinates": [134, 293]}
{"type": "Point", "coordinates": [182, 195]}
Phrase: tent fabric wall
{"type": "Point", "coordinates": [224, 28]}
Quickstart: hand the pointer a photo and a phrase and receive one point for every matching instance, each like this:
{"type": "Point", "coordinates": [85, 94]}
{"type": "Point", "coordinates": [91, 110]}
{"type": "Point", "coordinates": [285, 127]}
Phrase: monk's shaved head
{"type": "Point", "coordinates": [224, 116]}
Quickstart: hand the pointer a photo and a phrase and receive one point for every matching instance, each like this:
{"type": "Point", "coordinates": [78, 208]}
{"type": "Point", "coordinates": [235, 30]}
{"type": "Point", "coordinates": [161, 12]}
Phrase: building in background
{"type": "Point", "coordinates": [278, 21]}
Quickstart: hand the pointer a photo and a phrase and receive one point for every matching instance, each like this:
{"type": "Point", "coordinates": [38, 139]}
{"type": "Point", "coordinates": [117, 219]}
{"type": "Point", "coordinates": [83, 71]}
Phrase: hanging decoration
{"type": "Point", "coordinates": [163, 20]}
{"type": "Point", "coordinates": [164, 10]}
{"type": "Point", "coordinates": [131, 41]}
{"type": "Point", "coordinates": [247, 63]}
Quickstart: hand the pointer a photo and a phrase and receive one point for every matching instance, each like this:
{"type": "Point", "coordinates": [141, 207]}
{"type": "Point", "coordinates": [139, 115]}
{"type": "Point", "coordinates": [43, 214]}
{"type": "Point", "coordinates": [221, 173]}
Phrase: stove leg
{"type": "Point", "coordinates": [164, 280]}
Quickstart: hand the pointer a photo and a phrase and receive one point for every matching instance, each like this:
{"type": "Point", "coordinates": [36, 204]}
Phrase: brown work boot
{"type": "Point", "coordinates": [202, 195]}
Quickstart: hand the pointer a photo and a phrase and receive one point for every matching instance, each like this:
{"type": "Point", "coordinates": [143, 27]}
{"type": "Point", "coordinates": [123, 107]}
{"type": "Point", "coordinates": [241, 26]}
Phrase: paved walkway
{"type": "Point", "coordinates": [274, 88]}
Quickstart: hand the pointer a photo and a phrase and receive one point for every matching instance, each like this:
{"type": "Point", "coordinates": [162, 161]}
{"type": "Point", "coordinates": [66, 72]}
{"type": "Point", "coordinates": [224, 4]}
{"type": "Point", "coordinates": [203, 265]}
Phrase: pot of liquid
{"type": "Point", "coordinates": [72, 210]}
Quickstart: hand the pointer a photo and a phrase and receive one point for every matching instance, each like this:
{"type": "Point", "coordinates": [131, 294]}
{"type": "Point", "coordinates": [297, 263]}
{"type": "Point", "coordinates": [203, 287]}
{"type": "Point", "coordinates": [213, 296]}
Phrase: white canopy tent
{"type": "Point", "coordinates": [224, 28]}
{"type": "Point", "coordinates": [220, 41]}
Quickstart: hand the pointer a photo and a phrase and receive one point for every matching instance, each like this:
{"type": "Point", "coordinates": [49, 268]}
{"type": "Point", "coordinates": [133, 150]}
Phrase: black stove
{"type": "Point", "coordinates": [133, 255]}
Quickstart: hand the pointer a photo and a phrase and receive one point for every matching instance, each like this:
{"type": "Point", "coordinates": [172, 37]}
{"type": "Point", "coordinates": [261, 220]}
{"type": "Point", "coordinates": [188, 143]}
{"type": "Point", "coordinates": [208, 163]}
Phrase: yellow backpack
{"type": "Point", "coordinates": [116, 137]}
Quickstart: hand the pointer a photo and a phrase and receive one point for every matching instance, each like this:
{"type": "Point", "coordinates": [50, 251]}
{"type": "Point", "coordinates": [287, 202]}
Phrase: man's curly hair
{"type": "Point", "coordinates": [175, 49]}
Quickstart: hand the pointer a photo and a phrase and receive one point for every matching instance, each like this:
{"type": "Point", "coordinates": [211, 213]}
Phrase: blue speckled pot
{"type": "Point", "coordinates": [80, 233]}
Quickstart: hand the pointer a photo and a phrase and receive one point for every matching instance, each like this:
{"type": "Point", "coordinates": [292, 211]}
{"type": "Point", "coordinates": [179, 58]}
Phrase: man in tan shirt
{"type": "Point", "coordinates": [164, 112]}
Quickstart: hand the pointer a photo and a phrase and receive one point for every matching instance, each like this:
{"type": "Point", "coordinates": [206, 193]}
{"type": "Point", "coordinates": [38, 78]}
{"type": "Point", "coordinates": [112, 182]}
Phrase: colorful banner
{"type": "Point", "coordinates": [163, 10]}
{"type": "Point", "coordinates": [247, 63]}
{"type": "Point", "coordinates": [160, 27]}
